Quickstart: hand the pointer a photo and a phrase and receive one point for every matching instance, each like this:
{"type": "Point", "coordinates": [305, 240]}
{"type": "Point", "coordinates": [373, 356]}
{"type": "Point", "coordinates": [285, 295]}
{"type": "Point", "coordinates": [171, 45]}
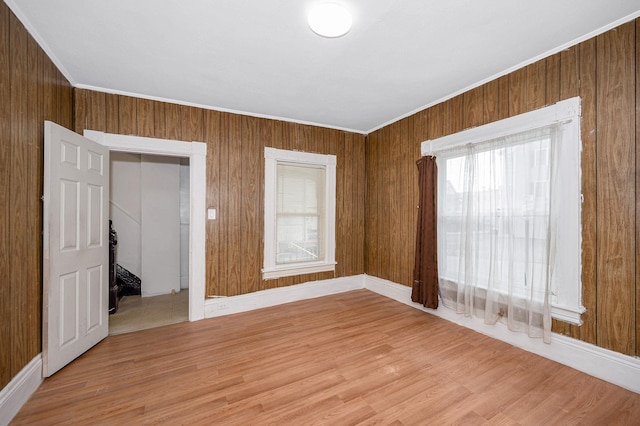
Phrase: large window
{"type": "Point", "coordinates": [299, 213]}
{"type": "Point", "coordinates": [509, 210]}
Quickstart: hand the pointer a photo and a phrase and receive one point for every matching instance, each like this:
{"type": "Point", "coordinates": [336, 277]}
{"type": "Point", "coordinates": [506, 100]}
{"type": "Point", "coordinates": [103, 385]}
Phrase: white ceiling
{"type": "Point", "coordinates": [259, 57]}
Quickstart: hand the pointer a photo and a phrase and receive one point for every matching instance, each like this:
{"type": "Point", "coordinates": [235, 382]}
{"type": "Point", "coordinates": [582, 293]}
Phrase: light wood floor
{"type": "Point", "coordinates": [352, 358]}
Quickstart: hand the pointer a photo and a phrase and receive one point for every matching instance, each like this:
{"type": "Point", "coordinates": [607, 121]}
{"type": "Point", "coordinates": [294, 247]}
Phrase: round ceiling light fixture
{"type": "Point", "coordinates": [329, 20]}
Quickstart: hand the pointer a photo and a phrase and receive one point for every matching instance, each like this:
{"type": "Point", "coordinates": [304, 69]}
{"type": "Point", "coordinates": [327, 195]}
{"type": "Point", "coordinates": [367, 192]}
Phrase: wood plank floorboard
{"type": "Point", "coordinates": [354, 358]}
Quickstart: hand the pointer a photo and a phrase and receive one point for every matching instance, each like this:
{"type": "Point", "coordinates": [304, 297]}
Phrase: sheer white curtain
{"type": "Point", "coordinates": [497, 229]}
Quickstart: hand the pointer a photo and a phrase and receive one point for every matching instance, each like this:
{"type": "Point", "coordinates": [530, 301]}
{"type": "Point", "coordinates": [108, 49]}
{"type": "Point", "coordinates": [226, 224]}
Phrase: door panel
{"type": "Point", "coordinates": [75, 246]}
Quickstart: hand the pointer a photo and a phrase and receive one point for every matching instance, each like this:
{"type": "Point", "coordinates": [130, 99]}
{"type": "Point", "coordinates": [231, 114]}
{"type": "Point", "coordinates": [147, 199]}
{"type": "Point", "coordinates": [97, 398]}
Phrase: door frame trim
{"type": "Point", "coordinates": [197, 154]}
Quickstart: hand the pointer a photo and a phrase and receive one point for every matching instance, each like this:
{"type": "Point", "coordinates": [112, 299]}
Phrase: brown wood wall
{"type": "Point", "coordinates": [235, 179]}
{"type": "Point", "coordinates": [605, 73]}
{"type": "Point", "coordinates": [31, 90]}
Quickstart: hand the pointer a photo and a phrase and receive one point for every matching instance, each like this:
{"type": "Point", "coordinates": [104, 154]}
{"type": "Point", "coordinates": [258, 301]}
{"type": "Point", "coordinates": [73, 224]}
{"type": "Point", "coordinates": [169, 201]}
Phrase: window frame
{"type": "Point", "coordinates": [274, 156]}
{"type": "Point", "coordinates": [566, 305]}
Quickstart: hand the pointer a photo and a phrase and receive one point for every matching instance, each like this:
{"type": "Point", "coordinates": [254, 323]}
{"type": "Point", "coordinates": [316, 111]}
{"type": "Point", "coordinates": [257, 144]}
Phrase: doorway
{"type": "Point", "coordinates": [149, 211]}
{"type": "Point", "coordinates": [196, 154]}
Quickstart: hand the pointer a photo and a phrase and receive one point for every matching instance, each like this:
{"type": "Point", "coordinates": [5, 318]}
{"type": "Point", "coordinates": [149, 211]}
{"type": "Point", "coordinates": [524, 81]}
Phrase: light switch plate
{"type": "Point", "coordinates": [211, 214]}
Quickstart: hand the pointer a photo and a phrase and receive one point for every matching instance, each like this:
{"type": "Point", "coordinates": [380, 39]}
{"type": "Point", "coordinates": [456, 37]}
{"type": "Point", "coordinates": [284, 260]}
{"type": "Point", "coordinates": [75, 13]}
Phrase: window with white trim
{"type": "Point", "coordinates": [511, 172]}
{"type": "Point", "coordinates": [299, 213]}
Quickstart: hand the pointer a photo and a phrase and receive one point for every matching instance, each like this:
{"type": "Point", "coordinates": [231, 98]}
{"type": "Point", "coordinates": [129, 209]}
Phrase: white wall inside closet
{"type": "Point", "coordinates": [150, 212]}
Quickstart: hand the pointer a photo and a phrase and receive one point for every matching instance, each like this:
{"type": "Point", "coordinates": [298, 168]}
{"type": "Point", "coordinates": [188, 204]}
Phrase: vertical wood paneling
{"type": "Point", "coordinates": [395, 201]}
{"type": "Point", "coordinates": [552, 83]}
{"type": "Point", "coordinates": [96, 118]}
{"type": "Point", "coordinates": [222, 287]}
{"type": "Point", "coordinates": [112, 113]}
{"type": "Point", "coordinates": [213, 243]}
{"type": "Point", "coordinates": [517, 92]}
{"type": "Point", "coordinates": [252, 171]}
{"type": "Point", "coordinates": [637, 170]}
{"type": "Point", "coordinates": [536, 88]}
{"type": "Point", "coordinates": [173, 122]}
{"type": "Point", "coordinates": [146, 118]}
{"type": "Point", "coordinates": [616, 202]}
{"type": "Point", "coordinates": [406, 189]}
{"type": "Point", "coordinates": [234, 211]}
{"type": "Point", "coordinates": [604, 72]}
{"type": "Point", "coordinates": [491, 101]}
{"type": "Point", "coordinates": [6, 313]}
{"type": "Point", "coordinates": [18, 187]}
{"type": "Point", "coordinates": [587, 332]}
{"type": "Point", "coordinates": [127, 115]}
{"type": "Point", "coordinates": [34, 133]}
{"type": "Point", "coordinates": [371, 222]}
{"type": "Point", "coordinates": [473, 108]}
{"type": "Point", "coordinates": [31, 90]}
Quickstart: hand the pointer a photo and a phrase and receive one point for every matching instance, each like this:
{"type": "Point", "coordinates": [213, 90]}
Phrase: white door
{"type": "Point", "coordinates": [75, 246]}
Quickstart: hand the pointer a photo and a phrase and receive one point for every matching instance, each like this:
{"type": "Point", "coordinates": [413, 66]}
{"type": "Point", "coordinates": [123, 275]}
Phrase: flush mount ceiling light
{"type": "Point", "coordinates": [329, 20]}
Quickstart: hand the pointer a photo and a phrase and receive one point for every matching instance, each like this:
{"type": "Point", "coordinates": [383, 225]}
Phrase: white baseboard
{"type": "Point", "coordinates": [262, 299]}
{"type": "Point", "coordinates": [621, 370]}
{"type": "Point", "coordinates": [19, 390]}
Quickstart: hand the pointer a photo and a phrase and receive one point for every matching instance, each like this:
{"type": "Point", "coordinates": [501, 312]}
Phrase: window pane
{"type": "Point", "coordinates": [297, 239]}
{"type": "Point", "coordinates": [496, 201]}
{"type": "Point", "coordinates": [299, 213]}
{"type": "Point", "coordinates": [300, 189]}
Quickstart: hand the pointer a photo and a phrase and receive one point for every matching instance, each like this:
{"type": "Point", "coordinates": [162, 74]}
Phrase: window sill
{"type": "Point", "coordinates": [291, 270]}
{"type": "Point", "coordinates": [567, 314]}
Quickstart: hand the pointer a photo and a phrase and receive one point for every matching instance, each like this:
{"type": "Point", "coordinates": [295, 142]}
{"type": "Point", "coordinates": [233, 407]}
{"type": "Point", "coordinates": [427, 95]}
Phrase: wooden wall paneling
{"type": "Point", "coordinates": [384, 203]}
{"type": "Point", "coordinates": [394, 182]}
{"type": "Point", "coordinates": [6, 145]}
{"type": "Point", "coordinates": [569, 73]}
{"type": "Point", "coordinates": [587, 53]}
{"type": "Point", "coordinates": [127, 115]}
{"type": "Point", "coordinates": [79, 109]}
{"type": "Point", "coordinates": [159, 120]}
{"type": "Point", "coordinates": [491, 101]}
{"type": "Point", "coordinates": [146, 117]}
{"type": "Point", "coordinates": [370, 204]}
{"type": "Point", "coordinates": [19, 200]}
{"type": "Point", "coordinates": [173, 117]}
{"type": "Point", "coordinates": [52, 90]}
{"type": "Point", "coordinates": [346, 209]}
{"type": "Point", "coordinates": [637, 171]}
{"type": "Point", "coordinates": [359, 196]}
{"type": "Point", "coordinates": [536, 85]}
{"type": "Point", "coordinates": [453, 120]}
{"type": "Point", "coordinates": [35, 142]}
{"type": "Point", "coordinates": [406, 180]}
{"type": "Point", "coordinates": [234, 240]}
{"type": "Point", "coordinates": [435, 122]}
{"type": "Point", "coordinates": [552, 79]}
{"type": "Point", "coordinates": [65, 104]}
{"type": "Point", "coordinates": [113, 113]}
{"type": "Point", "coordinates": [517, 92]}
{"type": "Point", "coordinates": [213, 242]}
{"type": "Point", "coordinates": [191, 121]}
{"type": "Point", "coordinates": [616, 200]}
{"type": "Point", "coordinates": [473, 105]}
{"type": "Point", "coordinates": [222, 286]}
{"type": "Point", "coordinates": [90, 108]}
{"type": "Point", "coordinates": [338, 146]}
{"type": "Point", "coordinates": [96, 115]}
{"type": "Point", "coordinates": [252, 160]}
{"type": "Point", "coordinates": [504, 95]}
